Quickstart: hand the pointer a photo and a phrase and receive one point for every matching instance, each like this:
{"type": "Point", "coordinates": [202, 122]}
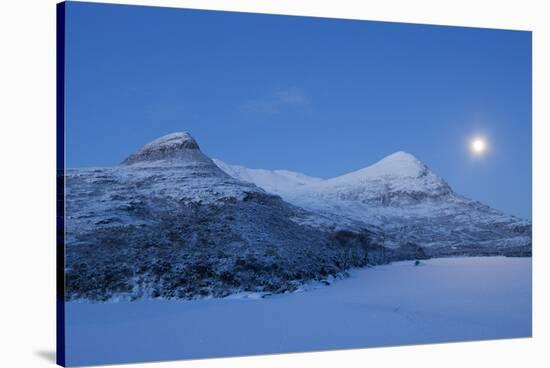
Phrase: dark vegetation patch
{"type": "Point", "coordinates": [194, 250]}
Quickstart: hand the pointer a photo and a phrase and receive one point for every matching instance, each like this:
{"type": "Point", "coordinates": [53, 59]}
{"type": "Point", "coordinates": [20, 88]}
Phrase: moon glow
{"type": "Point", "coordinates": [478, 146]}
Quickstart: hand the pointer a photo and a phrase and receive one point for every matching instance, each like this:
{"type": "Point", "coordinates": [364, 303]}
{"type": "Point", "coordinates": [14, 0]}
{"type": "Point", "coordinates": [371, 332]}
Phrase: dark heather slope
{"type": "Point", "coordinates": [169, 223]}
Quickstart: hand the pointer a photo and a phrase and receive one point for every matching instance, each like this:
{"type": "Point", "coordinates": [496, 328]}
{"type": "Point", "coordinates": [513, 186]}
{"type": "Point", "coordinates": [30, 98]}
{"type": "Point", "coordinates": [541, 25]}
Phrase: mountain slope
{"type": "Point", "coordinates": [273, 181]}
{"type": "Point", "coordinates": [169, 223]}
{"type": "Point", "coordinates": [410, 204]}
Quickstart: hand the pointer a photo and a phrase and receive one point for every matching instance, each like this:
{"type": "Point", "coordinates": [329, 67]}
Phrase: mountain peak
{"type": "Point", "coordinates": [401, 155]}
{"type": "Point", "coordinates": [177, 140]}
{"type": "Point", "coordinates": [396, 180]}
{"type": "Point", "coordinates": [400, 163]}
{"type": "Point", "coordinates": [171, 146]}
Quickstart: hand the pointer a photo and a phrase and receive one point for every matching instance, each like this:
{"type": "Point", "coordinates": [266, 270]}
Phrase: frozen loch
{"type": "Point", "coordinates": [440, 300]}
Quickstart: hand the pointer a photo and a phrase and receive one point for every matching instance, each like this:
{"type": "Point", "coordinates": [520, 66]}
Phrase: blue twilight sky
{"type": "Point", "coordinates": [319, 96]}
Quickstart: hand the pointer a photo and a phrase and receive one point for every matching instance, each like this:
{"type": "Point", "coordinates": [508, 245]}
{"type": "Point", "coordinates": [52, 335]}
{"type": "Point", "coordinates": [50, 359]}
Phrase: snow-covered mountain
{"type": "Point", "coordinates": [170, 222]}
{"type": "Point", "coordinates": [167, 222]}
{"type": "Point", "coordinates": [410, 204]}
{"type": "Point", "coordinates": [398, 179]}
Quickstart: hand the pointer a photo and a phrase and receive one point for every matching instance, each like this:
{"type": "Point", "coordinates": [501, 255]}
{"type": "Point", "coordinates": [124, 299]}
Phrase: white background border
{"type": "Point", "coordinates": [27, 181]}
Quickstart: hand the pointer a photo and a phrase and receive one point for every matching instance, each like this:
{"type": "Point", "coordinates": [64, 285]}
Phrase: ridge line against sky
{"type": "Point", "coordinates": [318, 96]}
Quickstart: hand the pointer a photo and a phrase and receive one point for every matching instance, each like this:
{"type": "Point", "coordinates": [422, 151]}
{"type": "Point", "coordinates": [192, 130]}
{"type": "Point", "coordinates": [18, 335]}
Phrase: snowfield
{"type": "Point", "coordinates": [440, 300]}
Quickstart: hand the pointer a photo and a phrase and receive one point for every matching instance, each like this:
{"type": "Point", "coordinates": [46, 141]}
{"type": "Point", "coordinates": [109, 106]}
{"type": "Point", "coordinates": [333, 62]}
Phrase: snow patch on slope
{"type": "Point", "coordinates": [274, 181]}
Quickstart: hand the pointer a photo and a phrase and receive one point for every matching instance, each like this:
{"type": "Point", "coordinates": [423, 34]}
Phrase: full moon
{"type": "Point", "coordinates": [478, 146]}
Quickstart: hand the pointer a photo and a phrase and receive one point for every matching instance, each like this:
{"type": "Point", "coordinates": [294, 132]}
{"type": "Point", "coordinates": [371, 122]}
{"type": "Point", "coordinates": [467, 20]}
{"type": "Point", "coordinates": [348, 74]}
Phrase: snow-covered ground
{"type": "Point", "coordinates": [441, 300]}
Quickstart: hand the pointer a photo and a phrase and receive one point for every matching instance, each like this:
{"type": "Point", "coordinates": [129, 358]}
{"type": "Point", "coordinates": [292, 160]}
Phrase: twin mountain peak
{"type": "Point", "coordinates": [183, 148]}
